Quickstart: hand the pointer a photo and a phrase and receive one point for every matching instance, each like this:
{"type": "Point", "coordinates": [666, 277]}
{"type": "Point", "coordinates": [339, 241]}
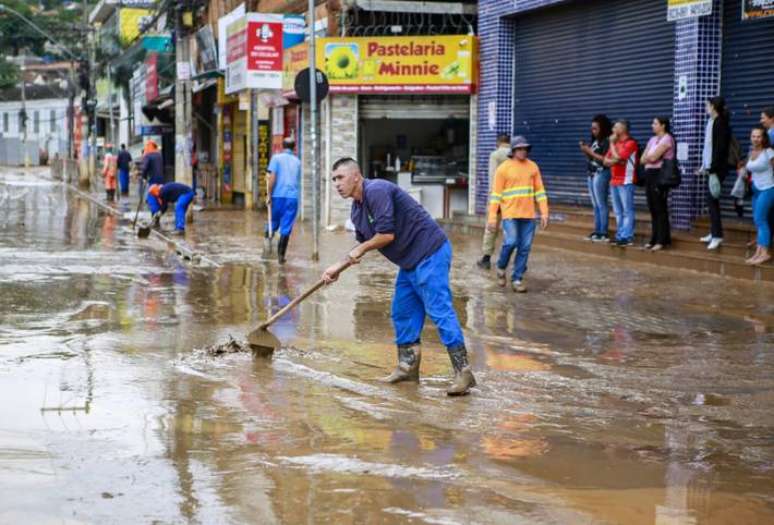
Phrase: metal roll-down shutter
{"type": "Point", "coordinates": [586, 57]}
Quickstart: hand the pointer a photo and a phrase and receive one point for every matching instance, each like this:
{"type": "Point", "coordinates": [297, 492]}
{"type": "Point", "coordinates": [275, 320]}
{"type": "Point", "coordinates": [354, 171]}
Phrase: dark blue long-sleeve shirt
{"type": "Point", "coordinates": [153, 167]}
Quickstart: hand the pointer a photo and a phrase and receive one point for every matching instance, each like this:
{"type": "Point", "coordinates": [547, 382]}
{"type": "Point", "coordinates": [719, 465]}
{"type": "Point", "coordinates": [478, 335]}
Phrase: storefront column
{"type": "Point", "coordinates": [473, 141]}
{"type": "Point", "coordinates": [697, 78]}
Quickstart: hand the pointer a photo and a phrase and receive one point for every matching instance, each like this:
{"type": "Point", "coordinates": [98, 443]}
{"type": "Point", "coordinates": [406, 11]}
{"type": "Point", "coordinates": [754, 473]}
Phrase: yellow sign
{"type": "Point", "coordinates": [296, 58]}
{"type": "Point", "coordinates": [417, 64]}
{"type": "Point", "coordinates": [129, 21]}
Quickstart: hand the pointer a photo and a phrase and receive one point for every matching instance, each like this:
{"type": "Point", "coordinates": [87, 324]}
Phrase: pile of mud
{"type": "Point", "coordinates": [232, 346]}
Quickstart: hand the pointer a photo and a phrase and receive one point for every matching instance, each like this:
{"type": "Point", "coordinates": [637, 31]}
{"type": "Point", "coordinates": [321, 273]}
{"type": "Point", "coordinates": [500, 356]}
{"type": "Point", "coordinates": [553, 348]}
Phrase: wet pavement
{"type": "Point", "coordinates": [607, 394]}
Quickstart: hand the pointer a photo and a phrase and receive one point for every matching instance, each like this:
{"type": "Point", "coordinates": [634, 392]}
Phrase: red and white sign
{"type": "Point", "coordinates": [254, 52]}
{"type": "Point", "coordinates": [151, 77]}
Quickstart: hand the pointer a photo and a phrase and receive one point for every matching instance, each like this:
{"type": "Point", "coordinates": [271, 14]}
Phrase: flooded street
{"type": "Point", "coordinates": [607, 394]}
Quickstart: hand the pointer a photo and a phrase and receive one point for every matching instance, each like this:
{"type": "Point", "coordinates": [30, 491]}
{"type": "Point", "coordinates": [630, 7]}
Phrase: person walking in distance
{"type": "Point", "coordinates": [599, 175]}
{"type": "Point", "coordinates": [109, 171]}
{"type": "Point", "coordinates": [388, 219]}
{"type": "Point", "coordinates": [622, 160]}
{"type": "Point", "coordinates": [518, 186]}
{"type": "Point", "coordinates": [497, 157]}
{"type": "Point", "coordinates": [124, 163]}
{"type": "Point", "coordinates": [714, 164]}
{"type": "Point", "coordinates": [284, 174]}
{"type": "Point", "coordinates": [661, 147]}
{"type": "Point", "coordinates": [152, 168]}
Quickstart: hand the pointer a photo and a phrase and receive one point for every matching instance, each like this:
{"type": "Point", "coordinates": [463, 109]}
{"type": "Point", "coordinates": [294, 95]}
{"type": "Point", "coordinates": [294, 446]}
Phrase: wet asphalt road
{"type": "Point", "coordinates": [608, 394]}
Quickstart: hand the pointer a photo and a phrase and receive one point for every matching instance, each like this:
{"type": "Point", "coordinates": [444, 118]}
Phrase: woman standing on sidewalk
{"type": "Point", "coordinates": [599, 175]}
{"type": "Point", "coordinates": [714, 164]}
{"type": "Point", "coordinates": [661, 146]}
{"type": "Point", "coordinates": [760, 165]}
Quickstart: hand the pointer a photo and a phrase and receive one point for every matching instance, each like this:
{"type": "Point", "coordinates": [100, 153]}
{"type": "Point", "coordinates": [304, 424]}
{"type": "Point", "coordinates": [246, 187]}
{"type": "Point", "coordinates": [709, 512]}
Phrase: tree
{"type": "Point", "coordinates": [9, 74]}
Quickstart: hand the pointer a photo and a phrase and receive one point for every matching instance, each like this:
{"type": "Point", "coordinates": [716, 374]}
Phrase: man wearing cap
{"type": "Point", "coordinates": [160, 196]}
{"type": "Point", "coordinates": [518, 187]}
{"type": "Point", "coordinates": [388, 219]}
{"type": "Point", "coordinates": [109, 171]}
{"type": "Point", "coordinates": [497, 157]}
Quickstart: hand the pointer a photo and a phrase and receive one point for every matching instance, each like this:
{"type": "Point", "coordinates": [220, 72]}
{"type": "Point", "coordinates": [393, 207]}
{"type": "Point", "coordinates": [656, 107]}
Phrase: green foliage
{"type": "Point", "coordinates": [9, 74]}
{"type": "Point", "coordinates": [65, 25]}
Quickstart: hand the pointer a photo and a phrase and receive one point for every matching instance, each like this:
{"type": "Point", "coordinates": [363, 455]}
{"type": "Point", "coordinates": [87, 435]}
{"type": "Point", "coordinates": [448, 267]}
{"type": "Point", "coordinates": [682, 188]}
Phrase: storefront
{"type": "Point", "coordinates": [560, 80]}
{"type": "Point", "coordinates": [547, 69]}
{"type": "Point", "coordinates": [408, 100]}
{"type": "Point", "coordinates": [420, 143]}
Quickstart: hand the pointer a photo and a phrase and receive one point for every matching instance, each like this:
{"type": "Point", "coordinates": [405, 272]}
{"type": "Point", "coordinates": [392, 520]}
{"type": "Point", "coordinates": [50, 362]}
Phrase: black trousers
{"type": "Point", "coordinates": [716, 224]}
{"type": "Point", "coordinates": [658, 204]}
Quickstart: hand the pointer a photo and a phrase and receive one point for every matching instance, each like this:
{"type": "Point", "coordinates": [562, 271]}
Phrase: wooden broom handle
{"type": "Point", "coordinates": [343, 265]}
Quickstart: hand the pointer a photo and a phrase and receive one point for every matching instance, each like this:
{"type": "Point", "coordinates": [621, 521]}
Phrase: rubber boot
{"type": "Point", "coordinates": [409, 357]}
{"type": "Point", "coordinates": [282, 247]}
{"type": "Point", "coordinates": [463, 374]}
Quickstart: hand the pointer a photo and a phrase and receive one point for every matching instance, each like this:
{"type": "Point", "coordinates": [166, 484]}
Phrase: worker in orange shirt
{"type": "Point", "coordinates": [109, 172]}
{"type": "Point", "coordinates": [517, 189]}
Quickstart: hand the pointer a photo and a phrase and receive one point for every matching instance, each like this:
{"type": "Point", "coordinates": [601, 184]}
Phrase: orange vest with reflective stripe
{"type": "Point", "coordinates": [517, 188]}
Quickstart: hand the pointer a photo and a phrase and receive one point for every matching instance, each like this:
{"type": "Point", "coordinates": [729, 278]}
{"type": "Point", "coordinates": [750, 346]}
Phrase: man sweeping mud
{"type": "Point", "coordinates": [388, 219]}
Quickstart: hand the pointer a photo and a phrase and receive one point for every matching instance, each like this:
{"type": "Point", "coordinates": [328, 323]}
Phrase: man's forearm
{"type": "Point", "coordinates": [380, 240]}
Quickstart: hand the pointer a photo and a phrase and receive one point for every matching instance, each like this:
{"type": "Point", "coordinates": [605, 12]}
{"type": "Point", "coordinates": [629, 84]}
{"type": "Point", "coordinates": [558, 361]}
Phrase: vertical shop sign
{"type": "Point", "coordinates": [754, 9]}
{"type": "Point", "coordinates": [264, 152]}
{"type": "Point", "coordinates": [228, 143]}
{"type": "Point", "coordinates": [681, 9]}
{"type": "Point", "coordinates": [254, 52]}
{"type": "Point", "coordinates": [151, 77]}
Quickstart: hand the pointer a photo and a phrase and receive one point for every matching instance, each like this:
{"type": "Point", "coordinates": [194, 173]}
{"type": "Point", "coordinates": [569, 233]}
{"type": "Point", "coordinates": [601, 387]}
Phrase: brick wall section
{"type": "Point", "coordinates": [697, 55]}
{"type": "Point", "coordinates": [343, 135]}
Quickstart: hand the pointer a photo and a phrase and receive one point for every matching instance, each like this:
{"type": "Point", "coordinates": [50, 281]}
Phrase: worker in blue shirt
{"type": "Point", "coordinates": [284, 173]}
{"type": "Point", "coordinates": [160, 196]}
{"type": "Point", "coordinates": [388, 219]}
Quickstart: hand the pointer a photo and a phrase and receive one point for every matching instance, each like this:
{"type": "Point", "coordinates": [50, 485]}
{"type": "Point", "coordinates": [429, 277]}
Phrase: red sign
{"type": "Point", "coordinates": [264, 46]}
{"type": "Point", "coordinates": [151, 77]}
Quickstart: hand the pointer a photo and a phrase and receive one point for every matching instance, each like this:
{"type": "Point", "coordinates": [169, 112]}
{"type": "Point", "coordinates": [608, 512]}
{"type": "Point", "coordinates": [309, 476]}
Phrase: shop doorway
{"type": "Point", "coordinates": [422, 144]}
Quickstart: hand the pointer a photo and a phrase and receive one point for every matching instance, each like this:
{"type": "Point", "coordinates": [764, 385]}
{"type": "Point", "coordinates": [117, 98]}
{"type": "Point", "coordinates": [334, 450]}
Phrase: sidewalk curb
{"type": "Point", "coordinates": [183, 251]}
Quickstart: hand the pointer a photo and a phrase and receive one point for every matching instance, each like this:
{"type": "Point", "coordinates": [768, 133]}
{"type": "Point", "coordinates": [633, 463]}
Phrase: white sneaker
{"type": "Point", "coordinates": [714, 243]}
{"type": "Point", "coordinates": [706, 238]}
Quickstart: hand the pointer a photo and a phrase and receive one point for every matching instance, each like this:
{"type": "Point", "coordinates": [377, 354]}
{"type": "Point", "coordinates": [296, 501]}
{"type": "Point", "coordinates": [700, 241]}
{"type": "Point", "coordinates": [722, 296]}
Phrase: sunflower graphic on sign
{"type": "Point", "coordinates": [342, 60]}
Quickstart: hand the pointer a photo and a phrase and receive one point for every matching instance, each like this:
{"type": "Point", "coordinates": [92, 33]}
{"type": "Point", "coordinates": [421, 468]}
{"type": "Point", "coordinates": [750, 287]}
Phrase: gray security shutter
{"type": "Point", "coordinates": [564, 75]}
{"type": "Point", "coordinates": [747, 78]}
{"type": "Point", "coordinates": [414, 107]}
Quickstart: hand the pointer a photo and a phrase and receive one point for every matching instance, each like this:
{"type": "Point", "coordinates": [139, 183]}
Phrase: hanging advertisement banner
{"type": "Point", "coordinates": [293, 30]}
{"type": "Point", "coordinates": [151, 77]}
{"type": "Point", "coordinates": [254, 52]}
{"type": "Point", "coordinates": [416, 64]}
{"type": "Point", "coordinates": [223, 23]}
{"type": "Point", "coordinates": [754, 9]}
{"type": "Point", "coordinates": [130, 22]}
{"type": "Point", "coordinates": [296, 59]}
{"type": "Point", "coordinates": [681, 9]}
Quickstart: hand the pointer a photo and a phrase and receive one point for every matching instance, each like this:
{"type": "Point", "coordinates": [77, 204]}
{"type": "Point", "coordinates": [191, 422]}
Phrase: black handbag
{"type": "Point", "coordinates": [669, 176]}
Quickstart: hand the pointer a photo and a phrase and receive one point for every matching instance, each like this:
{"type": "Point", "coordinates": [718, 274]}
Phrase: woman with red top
{"type": "Point", "coordinates": [661, 146]}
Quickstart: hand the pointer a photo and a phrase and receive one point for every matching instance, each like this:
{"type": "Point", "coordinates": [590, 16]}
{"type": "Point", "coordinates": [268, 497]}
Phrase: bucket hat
{"type": "Point", "coordinates": [519, 141]}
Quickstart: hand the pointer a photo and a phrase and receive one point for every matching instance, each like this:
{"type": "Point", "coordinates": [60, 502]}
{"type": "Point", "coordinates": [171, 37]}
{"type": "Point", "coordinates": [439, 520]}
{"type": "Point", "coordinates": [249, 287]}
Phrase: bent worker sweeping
{"type": "Point", "coordinates": [160, 196]}
{"type": "Point", "coordinates": [388, 219]}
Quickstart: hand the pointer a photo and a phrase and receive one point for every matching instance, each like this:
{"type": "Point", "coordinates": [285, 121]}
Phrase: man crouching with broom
{"type": "Point", "coordinates": [388, 219]}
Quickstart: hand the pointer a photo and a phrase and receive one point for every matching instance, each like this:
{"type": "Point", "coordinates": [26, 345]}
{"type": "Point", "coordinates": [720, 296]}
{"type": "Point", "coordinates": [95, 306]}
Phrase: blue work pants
{"type": "Point", "coordinates": [424, 290]}
{"type": "Point", "coordinates": [517, 235]}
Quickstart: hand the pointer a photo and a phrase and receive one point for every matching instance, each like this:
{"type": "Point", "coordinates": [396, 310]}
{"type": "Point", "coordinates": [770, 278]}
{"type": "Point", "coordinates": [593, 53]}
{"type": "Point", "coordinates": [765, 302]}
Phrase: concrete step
{"type": "Point", "coordinates": [680, 240]}
{"type": "Point", "coordinates": [718, 263]}
{"type": "Point", "coordinates": [735, 231]}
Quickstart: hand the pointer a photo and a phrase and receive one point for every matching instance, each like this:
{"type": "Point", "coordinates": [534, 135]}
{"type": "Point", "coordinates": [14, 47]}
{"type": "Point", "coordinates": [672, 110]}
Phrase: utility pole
{"type": "Point", "coordinates": [24, 111]}
{"type": "Point", "coordinates": [92, 93]}
{"type": "Point", "coordinates": [182, 100]}
{"type": "Point", "coordinates": [313, 134]}
{"type": "Point", "coordinates": [84, 179]}
{"type": "Point", "coordinates": [110, 105]}
{"type": "Point", "coordinates": [71, 113]}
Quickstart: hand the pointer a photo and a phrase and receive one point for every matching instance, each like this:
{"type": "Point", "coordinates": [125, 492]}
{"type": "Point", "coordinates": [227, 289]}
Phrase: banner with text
{"type": "Point", "coordinates": [254, 52]}
{"type": "Point", "coordinates": [681, 9]}
{"type": "Point", "coordinates": [753, 9]}
{"type": "Point", "coordinates": [416, 64]}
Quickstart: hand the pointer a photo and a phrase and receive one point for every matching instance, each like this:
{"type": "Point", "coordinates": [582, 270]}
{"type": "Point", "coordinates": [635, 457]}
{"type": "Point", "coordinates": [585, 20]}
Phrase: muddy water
{"type": "Point", "coordinates": [608, 394]}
